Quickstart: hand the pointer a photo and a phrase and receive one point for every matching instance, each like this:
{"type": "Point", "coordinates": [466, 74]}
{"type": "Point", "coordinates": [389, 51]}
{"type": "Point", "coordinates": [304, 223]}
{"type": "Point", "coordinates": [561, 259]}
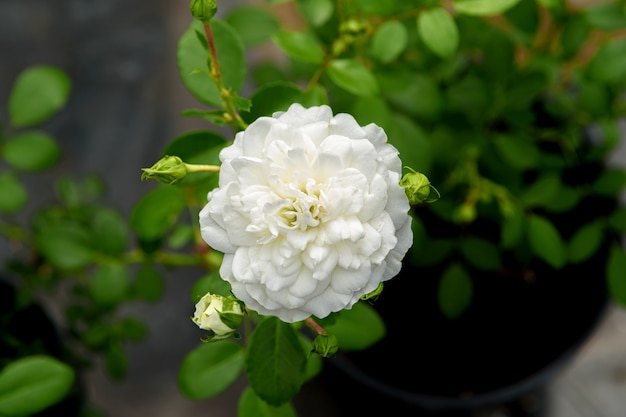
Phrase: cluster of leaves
{"type": "Point", "coordinates": [74, 246]}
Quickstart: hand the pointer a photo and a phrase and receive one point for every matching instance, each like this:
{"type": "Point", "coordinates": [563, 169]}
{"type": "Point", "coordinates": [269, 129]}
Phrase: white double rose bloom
{"type": "Point", "coordinates": [309, 213]}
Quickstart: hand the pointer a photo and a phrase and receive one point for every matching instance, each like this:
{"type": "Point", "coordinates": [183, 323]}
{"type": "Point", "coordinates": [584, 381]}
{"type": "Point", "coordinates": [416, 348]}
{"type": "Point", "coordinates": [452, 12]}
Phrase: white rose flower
{"type": "Point", "coordinates": [218, 314]}
{"type": "Point", "coordinates": [309, 213]}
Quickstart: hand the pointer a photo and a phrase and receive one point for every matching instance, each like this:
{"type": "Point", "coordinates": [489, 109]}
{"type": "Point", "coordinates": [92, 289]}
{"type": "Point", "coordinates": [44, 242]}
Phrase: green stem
{"type": "Point", "coordinates": [202, 168]}
{"type": "Point", "coordinates": [231, 116]}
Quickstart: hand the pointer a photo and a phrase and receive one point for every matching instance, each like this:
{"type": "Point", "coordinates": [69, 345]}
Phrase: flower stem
{"type": "Point", "coordinates": [202, 168]}
{"type": "Point", "coordinates": [231, 115]}
{"type": "Point", "coordinates": [314, 325]}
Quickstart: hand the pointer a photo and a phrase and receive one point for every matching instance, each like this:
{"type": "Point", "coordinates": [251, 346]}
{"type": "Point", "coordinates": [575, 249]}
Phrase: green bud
{"type": "Point", "coordinates": [219, 315]}
{"type": "Point", "coordinates": [203, 10]}
{"type": "Point", "coordinates": [325, 345]}
{"type": "Point", "coordinates": [418, 188]}
{"type": "Point", "coordinates": [169, 169]}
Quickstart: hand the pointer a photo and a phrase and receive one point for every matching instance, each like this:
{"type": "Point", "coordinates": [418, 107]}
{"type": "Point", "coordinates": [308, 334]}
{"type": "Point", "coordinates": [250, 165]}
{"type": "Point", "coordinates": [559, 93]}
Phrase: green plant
{"type": "Point", "coordinates": [510, 107]}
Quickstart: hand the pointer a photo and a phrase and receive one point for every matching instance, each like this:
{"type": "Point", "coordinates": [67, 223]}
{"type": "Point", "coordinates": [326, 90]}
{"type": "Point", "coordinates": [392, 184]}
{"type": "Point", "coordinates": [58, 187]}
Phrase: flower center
{"type": "Point", "coordinates": [303, 206]}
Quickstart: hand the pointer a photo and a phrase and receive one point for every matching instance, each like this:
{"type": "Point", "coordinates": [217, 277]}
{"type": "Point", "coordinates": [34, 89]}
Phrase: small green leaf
{"type": "Point", "coordinates": [617, 220]}
{"type": "Point", "coordinates": [353, 77]}
{"type": "Point", "coordinates": [193, 58]}
{"type": "Point", "coordinates": [251, 405]}
{"type": "Point", "coordinates": [116, 362]}
{"type": "Point", "coordinates": [615, 275]}
{"type": "Point", "coordinates": [149, 284]}
{"type": "Point", "coordinates": [157, 211]}
{"type": "Point", "coordinates": [512, 229]}
{"type": "Point", "coordinates": [275, 362]}
{"type": "Point", "coordinates": [542, 191]}
{"type": "Point", "coordinates": [546, 242]}
{"type": "Point", "coordinates": [438, 31]}
{"type": "Point", "coordinates": [210, 368]}
{"type": "Point", "coordinates": [389, 40]}
{"type": "Point", "coordinates": [607, 16]}
{"type": "Point", "coordinates": [110, 231]}
{"type": "Point", "coordinates": [518, 151]}
{"type": "Point", "coordinates": [480, 253]}
{"type": "Point", "coordinates": [357, 328]}
{"type": "Point", "coordinates": [13, 195]}
{"type": "Point", "coordinates": [31, 151]}
{"type": "Point", "coordinates": [130, 328]}
{"type": "Point", "coordinates": [455, 291]}
{"type": "Point", "coordinates": [317, 12]}
{"type": "Point", "coordinates": [609, 63]}
{"type": "Point", "coordinates": [585, 242]}
{"type": "Point", "coordinates": [272, 97]}
{"type": "Point", "coordinates": [212, 283]}
{"type": "Point", "coordinates": [32, 384]}
{"type": "Point", "coordinates": [109, 285]}
{"type": "Point", "coordinates": [610, 183]}
{"type": "Point", "coordinates": [65, 245]}
{"type": "Point", "coordinates": [483, 7]}
{"type": "Point", "coordinates": [38, 93]}
{"type": "Point", "coordinates": [301, 46]}
{"type": "Point", "coordinates": [255, 25]}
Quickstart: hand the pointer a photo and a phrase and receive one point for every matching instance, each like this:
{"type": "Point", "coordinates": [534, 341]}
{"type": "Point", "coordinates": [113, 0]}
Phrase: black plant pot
{"type": "Point", "coordinates": [516, 335]}
{"type": "Point", "coordinates": [29, 330]}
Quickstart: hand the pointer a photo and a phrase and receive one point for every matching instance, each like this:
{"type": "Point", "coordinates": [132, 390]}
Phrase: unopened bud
{"type": "Point", "coordinates": [219, 315]}
{"type": "Point", "coordinates": [203, 10]}
{"type": "Point", "coordinates": [325, 345]}
{"type": "Point", "coordinates": [169, 169]}
{"type": "Point", "coordinates": [418, 188]}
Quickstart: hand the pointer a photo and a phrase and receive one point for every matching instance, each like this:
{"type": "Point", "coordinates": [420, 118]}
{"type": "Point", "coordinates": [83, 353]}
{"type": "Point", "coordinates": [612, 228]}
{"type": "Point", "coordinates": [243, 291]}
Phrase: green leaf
{"type": "Point", "coordinates": [31, 151]}
{"type": "Point", "coordinates": [512, 229]}
{"type": "Point", "coordinates": [157, 211]}
{"type": "Point", "coordinates": [546, 242]}
{"type": "Point", "coordinates": [542, 191]}
{"type": "Point", "coordinates": [411, 141]}
{"type": "Point", "coordinates": [381, 7]}
{"type": "Point", "coordinates": [518, 151]}
{"type": "Point", "coordinates": [272, 97]}
{"type": "Point", "coordinates": [13, 195]}
{"type": "Point", "coordinates": [149, 284]}
{"type": "Point", "coordinates": [133, 329]}
{"type": "Point", "coordinates": [110, 231]}
{"type": "Point", "coordinates": [353, 77]}
{"type": "Point", "coordinates": [32, 384]}
{"type": "Point", "coordinates": [38, 93]}
{"type": "Point", "coordinates": [439, 32]}
{"type": "Point", "coordinates": [389, 40]}
{"type": "Point", "coordinates": [414, 93]}
{"type": "Point", "coordinates": [193, 58]}
{"type": "Point", "coordinates": [212, 283]}
{"type": "Point", "coordinates": [275, 362]}
{"type": "Point", "coordinates": [585, 242]}
{"type": "Point", "coordinates": [251, 405]}
{"type": "Point", "coordinates": [608, 16]}
{"type": "Point", "coordinates": [610, 183]}
{"type": "Point", "coordinates": [116, 362]}
{"type": "Point", "coordinates": [109, 285]}
{"type": "Point", "coordinates": [210, 368]}
{"type": "Point", "coordinates": [455, 291]}
{"type": "Point", "coordinates": [301, 46]}
{"type": "Point", "coordinates": [483, 7]}
{"type": "Point", "coordinates": [358, 328]}
{"type": "Point", "coordinates": [317, 12]}
{"type": "Point", "coordinates": [617, 220]}
{"type": "Point", "coordinates": [609, 63]}
{"type": "Point", "coordinates": [480, 253]}
{"type": "Point", "coordinates": [255, 25]}
{"type": "Point", "coordinates": [616, 278]}
{"type": "Point", "coordinates": [65, 245]}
